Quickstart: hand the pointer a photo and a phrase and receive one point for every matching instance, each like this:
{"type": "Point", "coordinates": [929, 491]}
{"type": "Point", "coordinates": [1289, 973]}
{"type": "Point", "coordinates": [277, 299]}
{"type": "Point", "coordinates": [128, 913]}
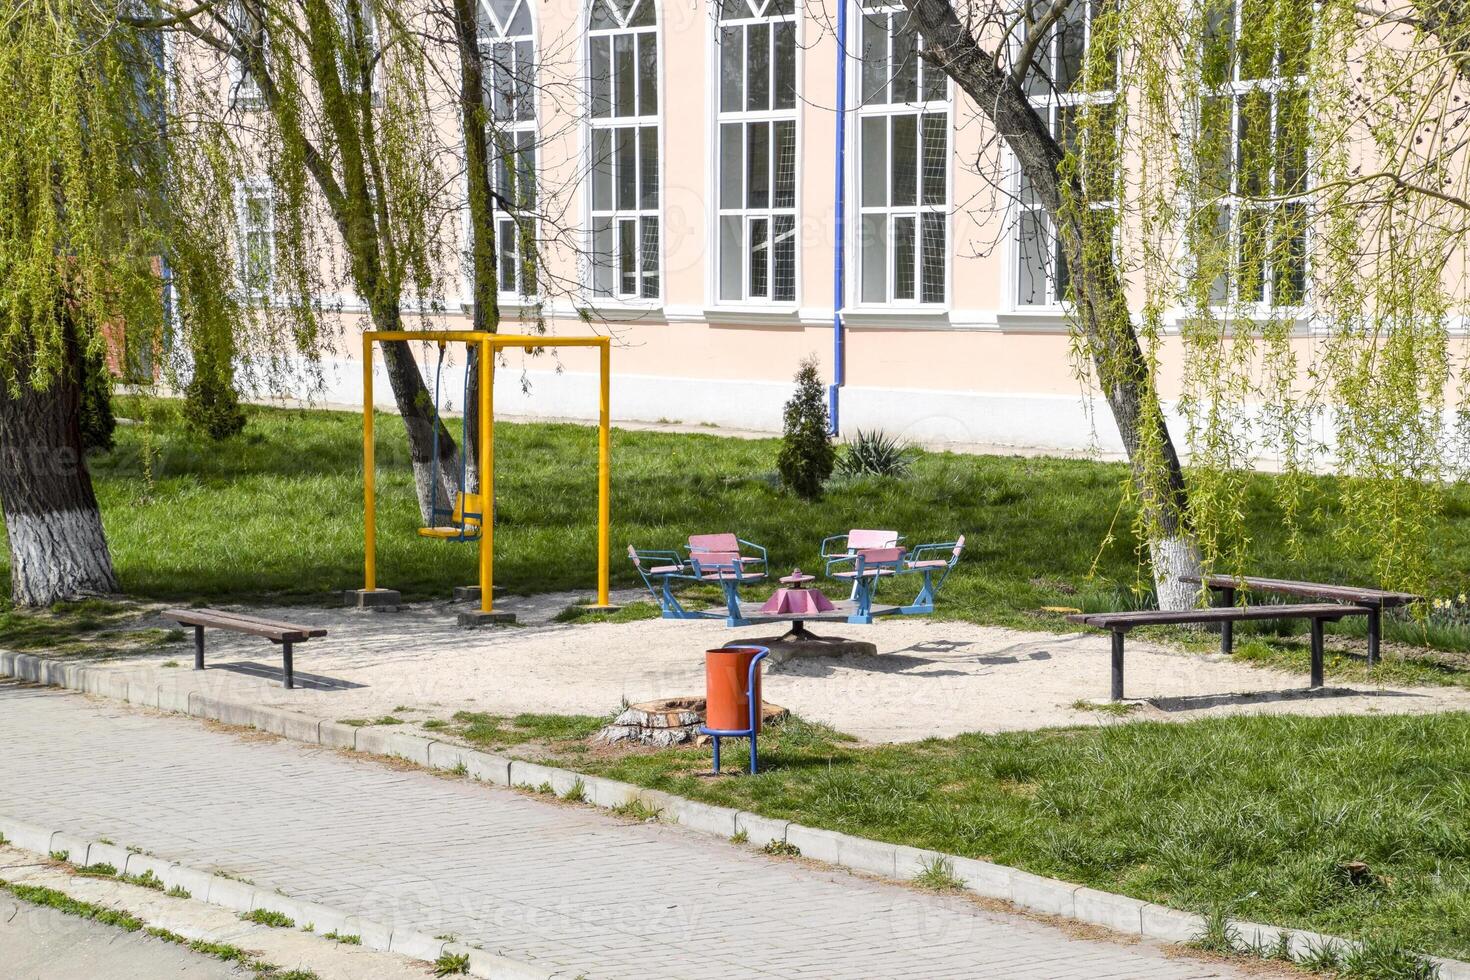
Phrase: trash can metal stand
{"type": "Point", "coordinates": [754, 704]}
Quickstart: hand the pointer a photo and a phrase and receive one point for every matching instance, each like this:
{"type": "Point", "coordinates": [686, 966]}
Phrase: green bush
{"type": "Point", "coordinates": [212, 407]}
{"type": "Point", "coordinates": [807, 456]}
{"type": "Point", "coordinates": [875, 453]}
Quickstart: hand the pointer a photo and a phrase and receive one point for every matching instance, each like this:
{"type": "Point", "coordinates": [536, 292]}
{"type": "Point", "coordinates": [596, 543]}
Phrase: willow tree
{"type": "Point", "coordinates": [329, 99]}
{"type": "Point", "coordinates": [1270, 193]}
{"type": "Point", "coordinates": [88, 185]}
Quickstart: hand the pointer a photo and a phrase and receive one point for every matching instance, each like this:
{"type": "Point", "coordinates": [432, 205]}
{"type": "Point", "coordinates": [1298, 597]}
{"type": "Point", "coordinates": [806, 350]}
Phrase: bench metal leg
{"type": "Point", "coordinates": [286, 663]}
{"type": "Point", "coordinates": [1374, 631]}
{"type": "Point", "coordinates": [1118, 665]}
{"type": "Point", "coordinates": [1316, 653]}
{"type": "Point", "coordinates": [1227, 628]}
{"type": "Point", "coordinates": [199, 648]}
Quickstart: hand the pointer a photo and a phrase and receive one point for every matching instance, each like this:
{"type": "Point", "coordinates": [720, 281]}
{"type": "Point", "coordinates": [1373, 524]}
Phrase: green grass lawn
{"type": "Point", "coordinates": [276, 513]}
{"type": "Point", "coordinates": [1256, 816]}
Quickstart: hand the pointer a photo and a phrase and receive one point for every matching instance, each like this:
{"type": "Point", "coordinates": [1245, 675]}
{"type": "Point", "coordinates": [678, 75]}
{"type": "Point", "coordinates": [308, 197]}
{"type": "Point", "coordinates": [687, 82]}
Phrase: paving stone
{"type": "Point", "coordinates": [544, 884]}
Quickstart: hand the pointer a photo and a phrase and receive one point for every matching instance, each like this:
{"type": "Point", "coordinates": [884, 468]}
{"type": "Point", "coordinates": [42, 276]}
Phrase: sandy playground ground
{"type": "Point", "coordinates": [927, 678]}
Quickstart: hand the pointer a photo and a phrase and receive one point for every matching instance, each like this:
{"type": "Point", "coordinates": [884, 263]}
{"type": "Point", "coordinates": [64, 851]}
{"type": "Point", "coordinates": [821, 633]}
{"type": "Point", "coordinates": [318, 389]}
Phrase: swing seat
{"type": "Point", "coordinates": [464, 520]}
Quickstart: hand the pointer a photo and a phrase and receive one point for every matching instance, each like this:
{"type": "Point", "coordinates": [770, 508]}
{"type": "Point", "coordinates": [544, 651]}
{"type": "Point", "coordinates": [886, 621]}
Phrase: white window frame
{"type": "Point", "coordinates": [889, 111]}
{"type": "Point", "coordinates": [255, 188]}
{"type": "Point", "coordinates": [1235, 90]}
{"type": "Point", "coordinates": [744, 117]}
{"type": "Point", "coordinates": [520, 127]}
{"type": "Point", "coordinates": [647, 262]}
{"type": "Point", "coordinates": [244, 88]}
{"type": "Point", "coordinates": [1055, 105]}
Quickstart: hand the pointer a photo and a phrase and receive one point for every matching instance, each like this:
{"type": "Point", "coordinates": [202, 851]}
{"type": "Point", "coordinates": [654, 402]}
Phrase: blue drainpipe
{"type": "Point", "coordinates": [839, 348]}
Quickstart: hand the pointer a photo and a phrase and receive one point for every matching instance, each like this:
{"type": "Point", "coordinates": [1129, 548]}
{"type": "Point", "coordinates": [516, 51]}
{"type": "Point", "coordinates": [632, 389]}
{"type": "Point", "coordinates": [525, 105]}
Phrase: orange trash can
{"type": "Point", "coordinates": [732, 681]}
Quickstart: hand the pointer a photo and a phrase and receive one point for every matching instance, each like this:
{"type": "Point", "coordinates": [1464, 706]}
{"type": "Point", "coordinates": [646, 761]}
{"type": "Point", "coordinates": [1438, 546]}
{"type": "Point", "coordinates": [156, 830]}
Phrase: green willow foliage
{"type": "Point", "coordinates": [88, 185]}
{"type": "Point", "coordinates": [1281, 182]}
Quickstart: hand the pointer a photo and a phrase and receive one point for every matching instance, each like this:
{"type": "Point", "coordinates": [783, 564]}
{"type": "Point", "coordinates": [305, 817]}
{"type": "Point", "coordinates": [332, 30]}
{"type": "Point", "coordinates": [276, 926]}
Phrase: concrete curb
{"type": "Point", "coordinates": [239, 896]}
{"type": "Point", "coordinates": [1033, 893]}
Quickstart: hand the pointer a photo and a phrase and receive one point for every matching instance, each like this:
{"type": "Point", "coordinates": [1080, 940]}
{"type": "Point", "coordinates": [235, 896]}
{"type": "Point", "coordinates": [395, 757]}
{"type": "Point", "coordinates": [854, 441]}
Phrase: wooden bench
{"type": "Point", "coordinates": [286, 634]}
{"type": "Point", "coordinates": [1374, 600]}
{"type": "Point", "coordinates": [1119, 623]}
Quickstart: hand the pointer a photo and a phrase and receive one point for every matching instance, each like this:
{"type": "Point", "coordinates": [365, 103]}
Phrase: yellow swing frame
{"type": "Point", "coordinates": [489, 345]}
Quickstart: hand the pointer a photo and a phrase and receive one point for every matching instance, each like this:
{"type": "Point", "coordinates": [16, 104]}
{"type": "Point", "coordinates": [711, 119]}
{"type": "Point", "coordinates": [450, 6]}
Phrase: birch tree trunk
{"type": "Point", "coordinates": [1097, 288]}
{"type": "Point", "coordinates": [485, 286]}
{"type": "Point", "coordinates": [58, 550]}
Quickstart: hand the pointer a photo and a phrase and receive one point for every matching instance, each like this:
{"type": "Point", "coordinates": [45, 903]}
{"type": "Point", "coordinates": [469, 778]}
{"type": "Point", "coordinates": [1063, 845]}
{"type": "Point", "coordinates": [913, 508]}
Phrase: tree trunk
{"type": "Point", "coordinates": [416, 406]}
{"type": "Point", "coordinates": [1098, 291]}
{"type": "Point", "coordinates": [485, 287]}
{"type": "Point", "coordinates": [58, 549]}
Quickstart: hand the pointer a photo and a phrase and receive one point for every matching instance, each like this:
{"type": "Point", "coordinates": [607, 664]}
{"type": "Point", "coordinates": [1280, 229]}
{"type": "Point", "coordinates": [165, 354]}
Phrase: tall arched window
{"type": "Point", "coordinates": [509, 47]}
{"type": "Point", "coordinates": [622, 39]}
{"type": "Point", "coordinates": [757, 118]}
{"type": "Point", "coordinates": [903, 163]}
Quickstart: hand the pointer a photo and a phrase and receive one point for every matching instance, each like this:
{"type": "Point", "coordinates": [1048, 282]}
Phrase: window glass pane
{"type": "Point", "coordinates": [905, 61]}
{"type": "Point", "coordinates": [758, 165]}
{"type": "Point", "coordinates": [905, 159]}
{"type": "Point", "coordinates": [507, 243]}
{"type": "Point", "coordinates": [874, 154]}
{"type": "Point", "coordinates": [758, 66]}
{"type": "Point", "coordinates": [627, 168]}
{"type": "Point", "coordinates": [628, 257]}
{"type": "Point", "coordinates": [525, 81]}
{"type": "Point", "coordinates": [647, 74]}
{"type": "Point", "coordinates": [1071, 45]}
{"type": "Point", "coordinates": [935, 83]}
{"type": "Point", "coordinates": [602, 256]}
{"type": "Point", "coordinates": [501, 85]}
{"type": "Point", "coordinates": [759, 257]}
{"type": "Point", "coordinates": [602, 170]}
{"type": "Point", "coordinates": [600, 18]}
{"type": "Point", "coordinates": [732, 68]}
{"type": "Point", "coordinates": [874, 243]}
{"type": "Point", "coordinates": [1291, 141]}
{"type": "Point", "coordinates": [875, 58]}
{"type": "Point", "coordinates": [601, 78]}
{"type": "Point", "coordinates": [732, 243]}
{"type": "Point", "coordinates": [1289, 256]}
{"type": "Point", "coordinates": [931, 257]}
{"type": "Point", "coordinates": [1060, 271]}
{"type": "Point", "coordinates": [1040, 73]}
{"type": "Point", "coordinates": [526, 161]}
{"type": "Point", "coordinates": [1253, 126]}
{"type": "Point", "coordinates": [643, 15]}
{"type": "Point", "coordinates": [1254, 231]}
{"type": "Point", "coordinates": [936, 145]}
{"type": "Point", "coordinates": [732, 165]}
{"type": "Point", "coordinates": [1032, 248]}
{"type": "Point", "coordinates": [650, 257]}
{"type": "Point", "coordinates": [623, 74]}
{"type": "Point", "coordinates": [783, 259]}
{"type": "Point", "coordinates": [785, 94]}
{"type": "Point", "coordinates": [903, 257]}
{"type": "Point", "coordinates": [648, 167]}
{"type": "Point", "coordinates": [785, 154]}
{"type": "Point", "coordinates": [520, 24]}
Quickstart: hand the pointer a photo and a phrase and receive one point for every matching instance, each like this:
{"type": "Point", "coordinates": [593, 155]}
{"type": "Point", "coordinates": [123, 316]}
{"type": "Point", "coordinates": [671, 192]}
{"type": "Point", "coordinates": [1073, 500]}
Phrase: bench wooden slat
{"type": "Point", "coordinates": [1316, 590]}
{"type": "Point", "coordinates": [254, 626]}
{"type": "Point", "coordinates": [1222, 614]}
{"type": "Point", "coordinates": [279, 624]}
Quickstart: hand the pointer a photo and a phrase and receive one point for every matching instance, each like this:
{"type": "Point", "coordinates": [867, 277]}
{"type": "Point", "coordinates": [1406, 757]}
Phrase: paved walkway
{"type": "Point", "coordinates": [568, 886]}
